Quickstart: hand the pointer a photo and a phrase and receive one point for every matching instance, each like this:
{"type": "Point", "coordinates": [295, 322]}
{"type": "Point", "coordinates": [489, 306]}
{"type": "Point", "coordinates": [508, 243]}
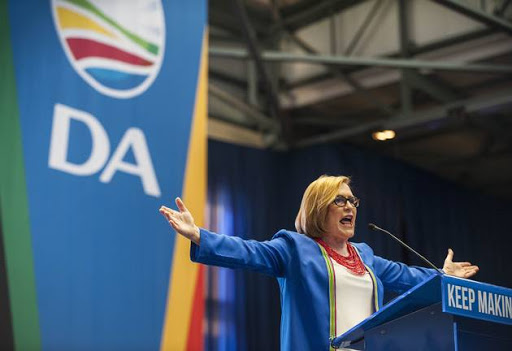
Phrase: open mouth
{"type": "Point", "coordinates": [347, 221]}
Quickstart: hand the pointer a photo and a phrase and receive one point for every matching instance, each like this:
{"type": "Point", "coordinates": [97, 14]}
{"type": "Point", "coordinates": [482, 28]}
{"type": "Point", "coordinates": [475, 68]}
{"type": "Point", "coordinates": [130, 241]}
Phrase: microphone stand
{"type": "Point", "coordinates": [376, 228]}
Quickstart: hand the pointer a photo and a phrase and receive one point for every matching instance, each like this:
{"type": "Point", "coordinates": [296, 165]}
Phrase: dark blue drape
{"type": "Point", "coordinates": [243, 182]}
{"type": "Point", "coordinates": [265, 189]}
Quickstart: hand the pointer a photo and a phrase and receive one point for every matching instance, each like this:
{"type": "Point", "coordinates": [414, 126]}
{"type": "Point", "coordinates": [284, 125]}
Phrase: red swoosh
{"type": "Point", "coordinates": [83, 48]}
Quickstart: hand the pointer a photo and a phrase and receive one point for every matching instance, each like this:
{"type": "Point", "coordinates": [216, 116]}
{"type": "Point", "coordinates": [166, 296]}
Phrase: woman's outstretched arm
{"type": "Point", "coordinates": [268, 257]}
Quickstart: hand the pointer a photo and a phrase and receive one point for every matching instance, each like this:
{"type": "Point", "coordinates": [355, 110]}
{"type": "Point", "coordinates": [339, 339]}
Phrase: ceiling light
{"type": "Point", "coordinates": [383, 135]}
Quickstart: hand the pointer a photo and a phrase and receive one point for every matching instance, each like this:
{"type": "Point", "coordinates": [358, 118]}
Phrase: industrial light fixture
{"type": "Point", "coordinates": [383, 135]}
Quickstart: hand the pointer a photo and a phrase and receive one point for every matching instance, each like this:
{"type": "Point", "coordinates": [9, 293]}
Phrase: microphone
{"type": "Point", "coordinates": [376, 228]}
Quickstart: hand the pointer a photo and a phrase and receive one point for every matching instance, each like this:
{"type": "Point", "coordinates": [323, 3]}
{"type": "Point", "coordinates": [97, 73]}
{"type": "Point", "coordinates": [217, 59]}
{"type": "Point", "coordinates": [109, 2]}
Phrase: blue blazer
{"type": "Point", "coordinates": [306, 280]}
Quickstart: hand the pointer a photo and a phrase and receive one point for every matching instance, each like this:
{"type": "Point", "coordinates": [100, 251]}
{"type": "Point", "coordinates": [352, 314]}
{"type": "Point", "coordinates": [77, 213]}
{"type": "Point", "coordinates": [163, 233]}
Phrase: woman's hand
{"type": "Point", "coordinates": [458, 269]}
{"type": "Point", "coordinates": [182, 221]}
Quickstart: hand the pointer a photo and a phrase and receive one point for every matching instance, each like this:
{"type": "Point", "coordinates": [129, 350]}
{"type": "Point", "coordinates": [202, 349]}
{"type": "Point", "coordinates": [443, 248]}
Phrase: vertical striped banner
{"type": "Point", "coordinates": [102, 120]}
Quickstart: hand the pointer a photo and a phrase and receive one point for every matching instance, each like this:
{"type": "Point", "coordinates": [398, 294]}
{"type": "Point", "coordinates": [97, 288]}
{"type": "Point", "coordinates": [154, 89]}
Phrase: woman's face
{"type": "Point", "coordinates": [341, 221]}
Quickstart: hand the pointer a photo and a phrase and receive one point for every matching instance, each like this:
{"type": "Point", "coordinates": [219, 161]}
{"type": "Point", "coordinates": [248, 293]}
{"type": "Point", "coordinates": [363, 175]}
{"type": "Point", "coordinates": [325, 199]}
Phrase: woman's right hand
{"type": "Point", "coordinates": [182, 221]}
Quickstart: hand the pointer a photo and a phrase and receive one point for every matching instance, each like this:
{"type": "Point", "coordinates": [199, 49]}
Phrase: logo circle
{"type": "Point", "coordinates": [116, 46]}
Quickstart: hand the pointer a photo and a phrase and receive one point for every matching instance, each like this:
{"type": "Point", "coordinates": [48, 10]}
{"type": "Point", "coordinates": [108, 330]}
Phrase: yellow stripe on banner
{"type": "Point", "coordinates": [184, 272]}
{"type": "Point", "coordinates": [72, 20]}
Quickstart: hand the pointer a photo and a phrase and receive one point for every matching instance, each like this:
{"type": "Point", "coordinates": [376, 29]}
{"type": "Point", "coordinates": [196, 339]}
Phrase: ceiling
{"type": "Point", "coordinates": [286, 74]}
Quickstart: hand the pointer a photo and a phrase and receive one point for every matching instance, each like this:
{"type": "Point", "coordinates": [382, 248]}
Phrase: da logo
{"type": "Point", "coordinates": [116, 46]}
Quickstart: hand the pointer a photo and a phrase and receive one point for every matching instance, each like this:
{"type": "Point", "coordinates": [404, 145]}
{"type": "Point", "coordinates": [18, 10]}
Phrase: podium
{"type": "Point", "coordinates": [442, 313]}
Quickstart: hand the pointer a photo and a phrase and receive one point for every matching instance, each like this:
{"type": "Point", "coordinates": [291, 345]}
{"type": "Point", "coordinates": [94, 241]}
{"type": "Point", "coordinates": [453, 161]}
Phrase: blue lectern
{"type": "Point", "coordinates": [442, 313]}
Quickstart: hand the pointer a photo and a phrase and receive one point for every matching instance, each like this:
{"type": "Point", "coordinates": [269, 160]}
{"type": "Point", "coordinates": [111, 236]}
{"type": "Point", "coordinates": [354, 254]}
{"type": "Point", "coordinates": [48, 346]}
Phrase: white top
{"type": "Point", "coordinates": [354, 298]}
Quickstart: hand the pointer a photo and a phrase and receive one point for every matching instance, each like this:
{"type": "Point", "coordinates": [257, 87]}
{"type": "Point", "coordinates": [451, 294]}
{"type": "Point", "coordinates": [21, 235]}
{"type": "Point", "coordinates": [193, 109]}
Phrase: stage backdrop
{"type": "Point", "coordinates": [102, 120]}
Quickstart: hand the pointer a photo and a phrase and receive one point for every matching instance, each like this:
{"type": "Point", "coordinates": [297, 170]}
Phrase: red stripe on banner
{"type": "Point", "coordinates": [195, 332]}
{"type": "Point", "coordinates": [84, 48]}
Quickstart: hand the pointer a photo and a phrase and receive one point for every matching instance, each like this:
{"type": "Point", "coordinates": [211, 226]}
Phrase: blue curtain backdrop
{"type": "Point", "coordinates": [224, 287]}
{"type": "Point", "coordinates": [262, 190]}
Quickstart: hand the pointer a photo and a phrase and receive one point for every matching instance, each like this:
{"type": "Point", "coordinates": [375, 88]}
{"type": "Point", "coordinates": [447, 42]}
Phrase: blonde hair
{"type": "Point", "coordinates": [315, 204]}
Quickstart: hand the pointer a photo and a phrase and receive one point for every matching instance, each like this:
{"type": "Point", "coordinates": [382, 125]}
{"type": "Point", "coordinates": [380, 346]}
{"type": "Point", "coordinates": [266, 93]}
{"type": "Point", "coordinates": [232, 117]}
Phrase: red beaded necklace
{"type": "Point", "coordinates": [352, 262]}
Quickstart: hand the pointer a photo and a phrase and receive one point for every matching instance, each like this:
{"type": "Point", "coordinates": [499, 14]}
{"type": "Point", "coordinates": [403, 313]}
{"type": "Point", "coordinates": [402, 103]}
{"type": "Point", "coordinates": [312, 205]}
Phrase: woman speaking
{"type": "Point", "coordinates": [328, 284]}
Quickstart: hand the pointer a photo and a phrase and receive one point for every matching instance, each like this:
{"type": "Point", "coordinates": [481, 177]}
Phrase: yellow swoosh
{"type": "Point", "coordinates": [71, 20]}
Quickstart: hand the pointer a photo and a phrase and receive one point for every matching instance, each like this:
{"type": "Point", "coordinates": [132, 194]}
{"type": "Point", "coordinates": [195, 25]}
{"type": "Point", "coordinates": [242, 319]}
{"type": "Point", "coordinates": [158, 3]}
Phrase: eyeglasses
{"type": "Point", "coordinates": [341, 201]}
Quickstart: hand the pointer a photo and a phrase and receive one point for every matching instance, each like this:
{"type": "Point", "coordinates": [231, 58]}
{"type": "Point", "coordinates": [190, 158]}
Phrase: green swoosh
{"type": "Point", "coordinates": [86, 5]}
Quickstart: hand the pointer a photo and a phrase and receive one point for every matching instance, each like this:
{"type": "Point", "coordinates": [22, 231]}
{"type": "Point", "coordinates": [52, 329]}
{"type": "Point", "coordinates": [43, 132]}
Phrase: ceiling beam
{"type": "Point", "coordinates": [450, 41]}
{"type": "Point", "coordinates": [323, 121]}
{"type": "Point", "coordinates": [222, 19]}
{"type": "Point", "coordinates": [338, 73]}
{"type": "Point", "coordinates": [263, 121]}
{"type": "Point", "coordinates": [362, 28]}
{"type": "Point", "coordinates": [226, 78]}
{"type": "Point", "coordinates": [416, 118]}
{"type": "Point", "coordinates": [406, 103]}
{"type": "Point", "coordinates": [477, 15]}
{"type": "Point", "coordinates": [277, 56]}
{"type": "Point", "coordinates": [501, 11]}
{"type": "Point", "coordinates": [222, 14]}
{"type": "Point", "coordinates": [435, 90]}
{"type": "Point", "coordinates": [307, 12]}
{"type": "Point", "coordinates": [253, 46]}
{"type": "Point", "coordinates": [414, 50]}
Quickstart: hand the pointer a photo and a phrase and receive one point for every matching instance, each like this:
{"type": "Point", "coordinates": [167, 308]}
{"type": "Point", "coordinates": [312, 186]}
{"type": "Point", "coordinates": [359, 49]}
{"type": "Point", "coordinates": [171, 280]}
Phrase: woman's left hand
{"type": "Point", "coordinates": [458, 269]}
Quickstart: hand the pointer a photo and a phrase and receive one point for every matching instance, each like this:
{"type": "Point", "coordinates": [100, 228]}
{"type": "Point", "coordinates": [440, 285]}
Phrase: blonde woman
{"type": "Point", "coordinates": [328, 284]}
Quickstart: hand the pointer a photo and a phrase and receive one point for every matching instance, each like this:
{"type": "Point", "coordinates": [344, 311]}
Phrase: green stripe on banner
{"type": "Point", "coordinates": [14, 204]}
{"type": "Point", "coordinates": [6, 342]}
